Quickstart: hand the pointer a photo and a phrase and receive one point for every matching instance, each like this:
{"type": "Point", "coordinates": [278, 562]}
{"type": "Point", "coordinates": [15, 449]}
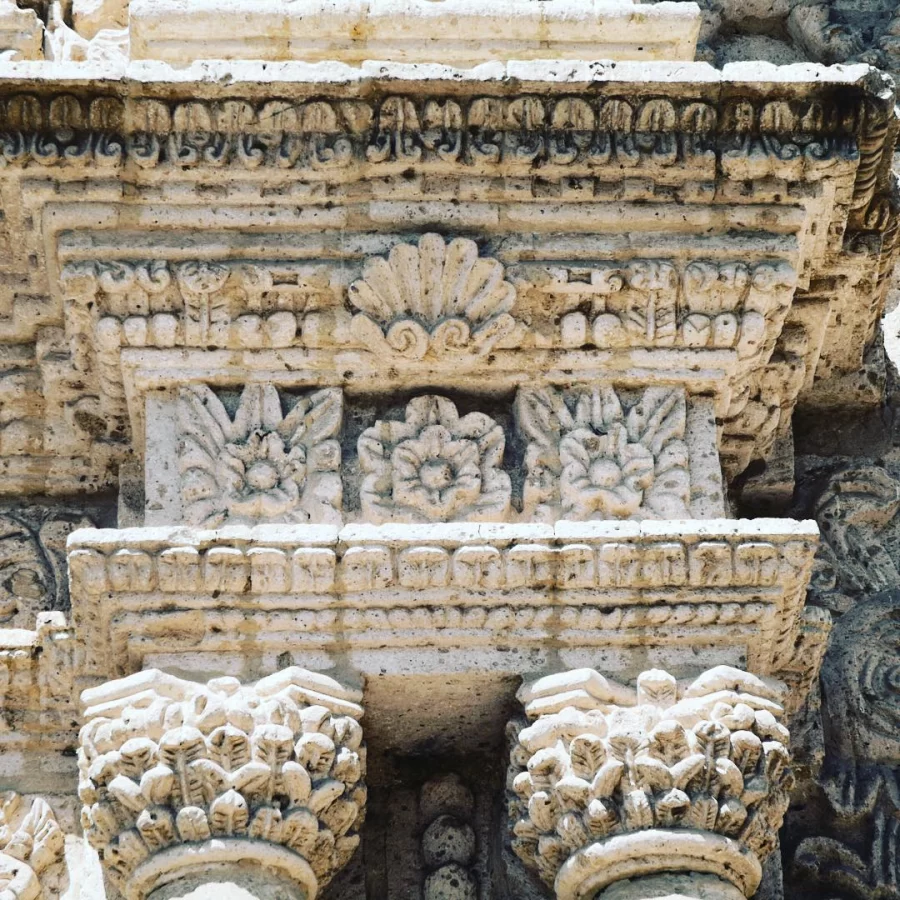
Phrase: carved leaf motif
{"type": "Point", "coordinates": [296, 783]}
{"type": "Point", "coordinates": [539, 413]}
{"type": "Point", "coordinates": [258, 466]}
{"type": "Point", "coordinates": [299, 831]}
{"type": "Point", "coordinates": [702, 814]}
{"type": "Point", "coordinates": [572, 831]}
{"type": "Point", "coordinates": [266, 824]}
{"type": "Point", "coordinates": [607, 778]}
{"type": "Point", "coordinates": [685, 771]}
{"type": "Point", "coordinates": [542, 811]}
{"type": "Point", "coordinates": [588, 754]}
{"type": "Point", "coordinates": [315, 418]}
{"type": "Point", "coordinates": [339, 816]}
{"type": "Point", "coordinates": [671, 807]}
{"type": "Point", "coordinates": [668, 742]}
{"type": "Point", "coordinates": [659, 418]}
{"type": "Point", "coordinates": [231, 747]}
{"type": "Point", "coordinates": [713, 739]}
{"type": "Point", "coordinates": [320, 856]}
{"type": "Point", "coordinates": [127, 793]}
{"type": "Point", "coordinates": [599, 408]}
{"type": "Point", "coordinates": [192, 824]}
{"type": "Point", "coordinates": [229, 814]}
{"type": "Point", "coordinates": [157, 784]}
{"type": "Point", "coordinates": [252, 779]}
{"type": "Point", "coordinates": [324, 795]}
{"type": "Point", "coordinates": [157, 827]}
{"type": "Point", "coordinates": [636, 811]}
{"type": "Point", "coordinates": [572, 792]}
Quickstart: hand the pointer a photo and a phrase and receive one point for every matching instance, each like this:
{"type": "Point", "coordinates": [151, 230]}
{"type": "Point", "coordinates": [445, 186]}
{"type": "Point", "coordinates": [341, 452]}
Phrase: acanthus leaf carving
{"type": "Point", "coordinates": [593, 457]}
{"type": "Point", "coordinates": [166, 763]}
{"type": "Point", "coordinates": [31, 849]}
{"type": "Point", "coordinates": [604, 779]}
{"type": "Point", "coordinates": [262, 465]}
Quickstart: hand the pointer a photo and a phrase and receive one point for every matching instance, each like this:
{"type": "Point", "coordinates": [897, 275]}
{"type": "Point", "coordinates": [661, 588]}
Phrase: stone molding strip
{"type": "Point", "coordinates": [453, 585]}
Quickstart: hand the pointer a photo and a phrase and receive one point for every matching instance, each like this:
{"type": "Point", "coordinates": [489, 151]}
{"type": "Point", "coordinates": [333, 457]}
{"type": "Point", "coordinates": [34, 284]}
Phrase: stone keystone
{"type": "Point", "coordinates": [666, 790]}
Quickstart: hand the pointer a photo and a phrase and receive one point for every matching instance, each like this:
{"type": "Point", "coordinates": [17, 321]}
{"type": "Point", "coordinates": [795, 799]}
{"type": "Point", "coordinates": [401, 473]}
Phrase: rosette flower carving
{"type": "Point", "coordinates": [435, 298]}
{"type": "Point", "coordinates": [176, 777]}
{"type": "Point", "coordinates": [434, 466]}
{"type": "Point", "coordinates": [605, 780]}
{"type": "Point", "coordinates": [262, 465]}
{"type": "Point", "coordinates": [592, 456]}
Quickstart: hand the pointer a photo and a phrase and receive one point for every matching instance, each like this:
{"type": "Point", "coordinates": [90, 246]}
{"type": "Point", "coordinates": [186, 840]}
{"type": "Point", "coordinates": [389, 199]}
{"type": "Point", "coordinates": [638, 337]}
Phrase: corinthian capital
{"type": "Point", "coordinates": [678, 790]}
{"type": "Point", "coordinates": [183, 781]}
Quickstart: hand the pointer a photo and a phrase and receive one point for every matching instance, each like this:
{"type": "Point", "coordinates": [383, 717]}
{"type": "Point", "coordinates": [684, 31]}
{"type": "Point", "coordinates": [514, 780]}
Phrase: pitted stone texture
{"type": "Point", "coordinates": [446, 795]}
{"type": "Point", "coordinates": [780, 308]}
{"type": "Point", "coordinates": [447, 840]}
{"type": "Point", "coordinates": [672, 886]}
{"type": "Point", "coordinates": [179, 778]}
{"type": "Point", "coordinates": [610, 783]}
{"type": "Point", "coordinates": [411, 31]}
{"type": "Point", "coordinates": [451, 882]}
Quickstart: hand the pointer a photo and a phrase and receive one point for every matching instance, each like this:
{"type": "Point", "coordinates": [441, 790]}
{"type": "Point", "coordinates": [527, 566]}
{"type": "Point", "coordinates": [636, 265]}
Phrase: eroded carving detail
{"type": "Point", "coordinates": [606, 778]}
{"type": "Point", "coordinates": [167, 764]}
{"type": "Point", "coordinates": [261, 465]}
{"type": "Point", "coordinates": [31, 849]}
{"type": "Point", "coordinates": [861, 776]}
{"type": "Point", "coordinates": [446, 809]}
{"type": "Point", "coordinates": [434, 466]}
{"type": "Point", "coordinates": [437, 298]}
{"type": "Point", "coordinates": [593, 457]}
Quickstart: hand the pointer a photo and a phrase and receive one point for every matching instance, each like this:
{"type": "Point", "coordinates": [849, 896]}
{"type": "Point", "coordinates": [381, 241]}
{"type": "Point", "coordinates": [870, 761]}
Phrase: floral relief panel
{"type": "Point", "coordinates": [593, 453]}
{"type": "Point", "coordinates": [263, 465]}
{"type": "Point", "coordinates": [434, 466]}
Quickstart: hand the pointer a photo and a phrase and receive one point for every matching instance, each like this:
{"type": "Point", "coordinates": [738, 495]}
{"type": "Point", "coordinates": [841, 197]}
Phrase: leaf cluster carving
{"type": "Point", "coordinates": [436, 298]}
{"type": "Point", "coordinates": [591, 456]}
{"type": "Point", "coordinates": [164, 761]}
{"type": "Point", "coordinates": [31, 848]}
{"type": "Point", "coordinates": [434, 466]}
{"type": "Point", "coordinates": [262, 465]}
{"type": "Point", "coordinates": [599, 760]}
{"type": "Point", "coordinates": [860, 778]}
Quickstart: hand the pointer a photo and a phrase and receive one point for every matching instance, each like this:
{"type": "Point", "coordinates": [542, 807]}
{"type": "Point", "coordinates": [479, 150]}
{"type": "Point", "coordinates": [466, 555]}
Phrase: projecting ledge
{"type": "Point", "coordinates": [466, 598]}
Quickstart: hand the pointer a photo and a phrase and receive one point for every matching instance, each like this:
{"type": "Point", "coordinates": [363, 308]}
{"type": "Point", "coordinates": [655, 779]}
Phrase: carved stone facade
{"type": "Point", "coordinates": [512, 385]}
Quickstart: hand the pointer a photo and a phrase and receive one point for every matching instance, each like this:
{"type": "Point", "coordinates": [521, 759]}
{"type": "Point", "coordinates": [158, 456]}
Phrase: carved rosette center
{"type": "Point", "coordinates": [609, 784]}
{"type": "Point", "coordinates": [182, 781]}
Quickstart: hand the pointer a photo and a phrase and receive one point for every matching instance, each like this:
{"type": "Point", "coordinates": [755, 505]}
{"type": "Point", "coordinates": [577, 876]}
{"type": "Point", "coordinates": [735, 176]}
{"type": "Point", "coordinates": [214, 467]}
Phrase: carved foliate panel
{"type": "Point", "coordinates": [272, 772]}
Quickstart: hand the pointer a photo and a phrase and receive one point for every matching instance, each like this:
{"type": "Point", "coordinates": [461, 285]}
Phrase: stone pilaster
{"type": "Point", "coordinates": [670, 790]}
{"type": "Point", "coordinates": [188, 785]}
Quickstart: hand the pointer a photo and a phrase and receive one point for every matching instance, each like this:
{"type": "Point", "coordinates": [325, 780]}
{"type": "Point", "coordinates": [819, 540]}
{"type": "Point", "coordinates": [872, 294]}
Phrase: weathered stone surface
{"type": "Point", "coordinates": [418, 349]}
{"type": "Point", "coordinates": [609, 784]}
{"type": "Point", "coordinates": [180, 779]}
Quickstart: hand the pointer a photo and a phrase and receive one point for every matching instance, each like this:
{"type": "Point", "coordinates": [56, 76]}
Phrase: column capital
{"type": "Point", "coordinates": [178, 777]}
{"type": "Point", "coordinates": [608, 783]}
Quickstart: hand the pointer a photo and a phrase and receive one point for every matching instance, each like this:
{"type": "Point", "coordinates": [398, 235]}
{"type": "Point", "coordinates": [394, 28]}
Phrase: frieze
{"type": "Point", "coordinates": [788, 139]}
{"type": "Point", "coordinates": [444, 585]}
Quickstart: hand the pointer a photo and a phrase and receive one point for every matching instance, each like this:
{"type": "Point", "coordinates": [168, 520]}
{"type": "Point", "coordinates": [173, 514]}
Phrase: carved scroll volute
{"type": "Point", "coordinates": [181, 782]}
{"type": "Point", "coordinates": [613, 789]}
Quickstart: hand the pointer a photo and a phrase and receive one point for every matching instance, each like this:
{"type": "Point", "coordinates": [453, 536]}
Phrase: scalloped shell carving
{"type": "Point", "coordinates": [435, 299]}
